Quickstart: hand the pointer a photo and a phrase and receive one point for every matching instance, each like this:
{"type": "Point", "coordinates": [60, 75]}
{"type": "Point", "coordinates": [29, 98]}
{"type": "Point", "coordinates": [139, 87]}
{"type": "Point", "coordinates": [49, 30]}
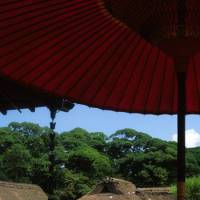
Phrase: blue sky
{"type": "Point", "coordinates": [93, 119]}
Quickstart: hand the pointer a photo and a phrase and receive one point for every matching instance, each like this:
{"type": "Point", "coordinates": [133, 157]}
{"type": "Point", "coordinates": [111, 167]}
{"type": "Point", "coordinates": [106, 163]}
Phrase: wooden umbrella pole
{"type": "Point", "coordinates": [181, 76]}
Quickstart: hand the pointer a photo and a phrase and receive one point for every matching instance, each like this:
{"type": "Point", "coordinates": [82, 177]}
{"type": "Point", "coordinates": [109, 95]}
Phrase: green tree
{"type": "Point", "coordinates": [89, 161]}
{"type": "Point", "coordinates": [7, 139]}
{"type": "Point", "coordinates": [78, 136]}
{"type": "Point", "coordinates": [75, 185]}
{"type": "Point", "coordinates": [17, 163]}
{"type": "Point", "coordinates": [40, 171]}
{"type": "Point", "coordinates": [142, 159]}
{"type": "Point", "coordinates": [82, 158]}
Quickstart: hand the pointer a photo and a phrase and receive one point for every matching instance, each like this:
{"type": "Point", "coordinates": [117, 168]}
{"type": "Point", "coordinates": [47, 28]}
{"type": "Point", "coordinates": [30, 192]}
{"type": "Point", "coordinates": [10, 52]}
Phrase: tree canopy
{"type": "Point", "coordinates": [83, 158]}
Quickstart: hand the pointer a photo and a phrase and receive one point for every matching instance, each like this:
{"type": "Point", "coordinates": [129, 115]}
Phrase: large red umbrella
{"type": "Point", "coordinates": [131, 55]}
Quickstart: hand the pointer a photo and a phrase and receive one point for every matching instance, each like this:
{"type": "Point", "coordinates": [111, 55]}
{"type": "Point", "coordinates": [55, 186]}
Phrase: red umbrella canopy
{"type": "Point", "coordinates": [103, 53]}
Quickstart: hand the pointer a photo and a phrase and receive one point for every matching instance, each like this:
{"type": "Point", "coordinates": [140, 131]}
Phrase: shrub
{"type": "Point", "coordinates": [192, 188]}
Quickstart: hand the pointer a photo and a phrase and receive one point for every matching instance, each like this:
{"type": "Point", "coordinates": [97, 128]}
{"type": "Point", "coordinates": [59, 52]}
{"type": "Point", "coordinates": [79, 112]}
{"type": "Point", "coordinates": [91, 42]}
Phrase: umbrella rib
{"type": "Point", "coordinates": [82, 76]}
{"type": "Point", "coordinates": [45, 49]}
{"type": "Point", "coordinates": [118, 42]}
{"type": "Point", "coordinates": [140, 80]}
{"type": "Point", "coordinates": [162, 85]}
{"type": "Point", "coordinates": [17, 2]}
{"type": "Point", "coordinates": [72, 25]}
{"type": "Point", "coordinates": [142, 51]}
{"type": "Point", "coordinates": [109, 73]}
{"type": "Point", "coordinates": [37, 23]}
{"type": "Point", "coordinates": [39, 29]}
{"type": "Point", "coordinates": [134, 68]}
{"type": "Point", "coordinates": [110, 93]}
{"type": "Point", "coordinates": [8, 3]}
{"type": "Point", "coordinates": [154, 69]}
{"type": "Point", "coordinates": [68, 5]}
{"type": "Point", "coordinates": [71, 60]}
{"type": "Point", "coordinates": [26, 12]}
{"type": "Point", "coordinates": [50, 33]}
{"type": "Point", "coordinates": [109, 56]}
{"type": "Point", "coordinates": [173, 97]}
{"type": "Point", "coordinates": [196, 81]}
{"type": "Point", "coordinates": [74, 58]}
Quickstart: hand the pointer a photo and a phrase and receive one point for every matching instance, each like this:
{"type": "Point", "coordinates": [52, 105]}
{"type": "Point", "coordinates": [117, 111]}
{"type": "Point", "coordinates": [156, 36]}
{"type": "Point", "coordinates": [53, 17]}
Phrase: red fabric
{"type": "Point", "coordinates": [77, 50]}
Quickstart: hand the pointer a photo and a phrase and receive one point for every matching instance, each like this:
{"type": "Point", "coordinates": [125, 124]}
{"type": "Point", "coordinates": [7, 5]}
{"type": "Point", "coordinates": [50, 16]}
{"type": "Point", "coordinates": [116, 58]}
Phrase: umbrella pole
{"type": "Point", "coordinates": [181, 76]}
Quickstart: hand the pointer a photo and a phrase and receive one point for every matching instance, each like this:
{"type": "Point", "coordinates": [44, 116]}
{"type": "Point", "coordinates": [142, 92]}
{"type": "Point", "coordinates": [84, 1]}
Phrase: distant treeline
{"type": "Point", "coordinates": [83, 158]}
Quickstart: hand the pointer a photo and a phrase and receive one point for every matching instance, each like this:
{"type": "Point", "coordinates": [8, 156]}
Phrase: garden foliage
{"type": "Point", "coordinates": [83, 158]}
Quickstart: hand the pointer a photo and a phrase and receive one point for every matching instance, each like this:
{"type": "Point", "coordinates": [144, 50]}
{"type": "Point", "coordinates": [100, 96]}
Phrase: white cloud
{"type": "Point", "coordinates": [192, 138]}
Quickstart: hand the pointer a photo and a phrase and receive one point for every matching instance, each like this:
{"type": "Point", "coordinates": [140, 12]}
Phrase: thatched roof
{"type": "Point", "coordinates": [110, 197]}
{"type": "Point", "coordinates": [115, 189]}
{"type": "Point", "coordinates": [115, 186]}
{"type": "Point", "coordinates": [16, 191]}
